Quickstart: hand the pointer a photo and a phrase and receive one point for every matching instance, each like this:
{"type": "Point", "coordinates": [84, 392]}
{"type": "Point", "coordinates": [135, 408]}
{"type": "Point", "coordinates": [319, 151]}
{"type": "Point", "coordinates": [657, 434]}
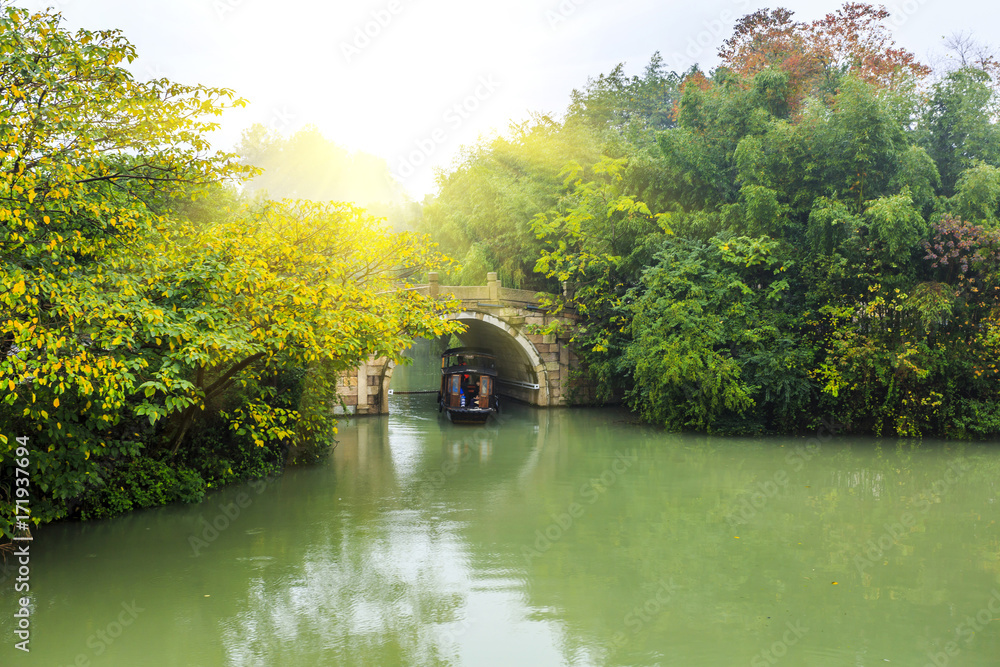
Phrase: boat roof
{"type": "Point", "coordinates": [481, 361]}
{"type": "Point", "coordinates": [464, 370]}
{"type": "Point", "coordinates": [478, 351]}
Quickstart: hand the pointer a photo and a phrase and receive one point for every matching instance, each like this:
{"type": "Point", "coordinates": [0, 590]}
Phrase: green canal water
{"type": "Point", "coordinates": [558, 537]}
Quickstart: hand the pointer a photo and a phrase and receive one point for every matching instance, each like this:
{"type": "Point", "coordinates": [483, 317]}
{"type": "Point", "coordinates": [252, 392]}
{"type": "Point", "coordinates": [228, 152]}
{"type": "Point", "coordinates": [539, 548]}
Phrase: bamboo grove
{"type": "Point", "coordinates": [808, 232]}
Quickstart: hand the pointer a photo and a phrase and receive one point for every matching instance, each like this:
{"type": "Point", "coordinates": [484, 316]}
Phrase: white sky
{"type": "Point", "coordinates": [301, 62]}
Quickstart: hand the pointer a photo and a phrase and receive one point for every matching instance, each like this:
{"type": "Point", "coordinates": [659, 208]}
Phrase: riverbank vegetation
{"type": "Point", "coordinates": [810, 231]}
{"type": "Point", "coordinates": [159, 333]}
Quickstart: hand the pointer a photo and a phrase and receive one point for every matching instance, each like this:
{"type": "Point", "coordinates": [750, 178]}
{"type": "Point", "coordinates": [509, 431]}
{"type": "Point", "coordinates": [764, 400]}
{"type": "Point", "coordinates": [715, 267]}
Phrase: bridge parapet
{"type": "Point", "coordinates": [491, 292]}
{"type": "Point", "coordinates": [538, 368]}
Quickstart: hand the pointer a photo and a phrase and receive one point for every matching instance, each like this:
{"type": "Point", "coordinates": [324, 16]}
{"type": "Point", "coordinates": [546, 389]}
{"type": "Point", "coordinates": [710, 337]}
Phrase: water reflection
{"type": "Point", "coordinates": [390, 592]}
{"type": "Point", "coordinates": [547, 538]}
{"type": "Point", "coordinates": [401, 586]}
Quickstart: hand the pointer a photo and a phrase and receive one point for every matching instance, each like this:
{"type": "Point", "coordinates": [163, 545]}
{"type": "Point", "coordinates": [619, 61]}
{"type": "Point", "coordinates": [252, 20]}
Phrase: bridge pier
{"type": "Point", "coordinates": [365, 390]}
{"type": "Point", "coordinates": [538, 367]}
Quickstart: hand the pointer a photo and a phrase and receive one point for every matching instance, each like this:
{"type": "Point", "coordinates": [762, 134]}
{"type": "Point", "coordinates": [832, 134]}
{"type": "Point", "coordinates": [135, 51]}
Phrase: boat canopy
{"type": "Point", "coordinates": [468, 359]}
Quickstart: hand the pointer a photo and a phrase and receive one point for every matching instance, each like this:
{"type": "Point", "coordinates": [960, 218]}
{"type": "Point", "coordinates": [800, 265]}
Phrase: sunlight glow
{"type": "Point", "coordinates": [404, 79]}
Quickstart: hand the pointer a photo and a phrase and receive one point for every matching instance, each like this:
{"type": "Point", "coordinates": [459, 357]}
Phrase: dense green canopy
{"type": "Point", "coordinates": [158, 335]}
{"type": "Point", "coordinates": [809, 231]}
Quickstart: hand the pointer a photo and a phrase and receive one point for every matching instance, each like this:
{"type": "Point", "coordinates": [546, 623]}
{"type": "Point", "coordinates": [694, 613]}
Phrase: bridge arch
{"type": "Point", "coordinates": [519, 362]}
{"type": "Point", "coordinates": [534, 368]}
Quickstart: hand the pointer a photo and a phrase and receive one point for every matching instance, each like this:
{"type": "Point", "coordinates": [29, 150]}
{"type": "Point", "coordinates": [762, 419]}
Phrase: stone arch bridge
{"type": "Point", "coordinates": [532, 368]}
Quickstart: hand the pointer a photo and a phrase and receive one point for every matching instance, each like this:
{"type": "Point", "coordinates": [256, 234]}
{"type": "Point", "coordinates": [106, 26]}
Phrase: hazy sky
{"type": "Point", "coordinates": [413, 80]}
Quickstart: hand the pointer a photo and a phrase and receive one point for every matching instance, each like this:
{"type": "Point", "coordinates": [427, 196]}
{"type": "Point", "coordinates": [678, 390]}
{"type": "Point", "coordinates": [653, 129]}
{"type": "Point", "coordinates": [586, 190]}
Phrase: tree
{"type": "Point", "coordinates": [803, 183]}
{"type": "Point", "coordinates": [121, 320]}
{"type": "Point", "coordinates": [957, 125]}
{"type": "Point", "coordinates": [636, 107]}
{"type": "Point", "coordinates": [87, 156]}
{"type": "Point", "coordinates": [307, 165]}
{"type": "Point", "coordinates": [966, 52]}
{"type": "Point", "coordinates": [483, 211]}
{"type": "Point", "coordinates": [280, 285]}
{"type": "Point", "coordinates": [814, 55]}
{"type": "Point", "coordinates": [710, 339]}
{"type": "Point", "coordinates": [596, 242]}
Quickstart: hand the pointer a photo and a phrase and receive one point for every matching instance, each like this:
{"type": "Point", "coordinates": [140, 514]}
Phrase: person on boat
{"type": "Point", "coordinates": [469, 388]}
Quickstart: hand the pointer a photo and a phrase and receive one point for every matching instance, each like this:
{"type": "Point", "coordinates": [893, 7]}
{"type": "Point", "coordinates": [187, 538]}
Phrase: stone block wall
{"type": "Point", "coordinates": [365, 390]}
{"type": "Point", "coordinates": [370, 399]}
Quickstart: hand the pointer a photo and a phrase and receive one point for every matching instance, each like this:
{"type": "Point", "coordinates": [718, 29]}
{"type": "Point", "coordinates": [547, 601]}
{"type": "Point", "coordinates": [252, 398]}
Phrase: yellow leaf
{"type": "Point", "coordinates": [55, 403]}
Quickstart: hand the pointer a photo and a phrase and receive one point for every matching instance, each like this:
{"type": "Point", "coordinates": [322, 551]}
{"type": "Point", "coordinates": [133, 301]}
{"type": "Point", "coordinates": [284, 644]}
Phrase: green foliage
{"type": "Point", "coordinates": [830, 224]}
{"type": "Point", "coordinates": [66, 358]}
{"type": "Point", "coordinates": [762, 209]}
{"type": "Point", "coordinates": [957, 125]}
{"type": "Point", "coordinates": [139, 484]}
{"type": "Point", "coordinates": [895, 226]}
{"type": "Point", "coordinates": [484, 209]}
{"type": "Point", "coordinates": [977, 194]}
{"type": "Point", "coordinates": [635, 107]}
{"type": "Point", "coordinates": [684, 376]}
{"type": "Point", "coordinates": [221, 456]}
{"type": "Point", "coordinates": [596, 243]}
{"type": "Point", "coordinates": [133, 314]}
{"type": "Point", "coordinates": [918, 174]}
{"type": "Point", "coordinates": [307, 165]}
{"type": "Point", "coordinates": [804, 235]}
{"type": "Point", "coordinates": [710, 340]}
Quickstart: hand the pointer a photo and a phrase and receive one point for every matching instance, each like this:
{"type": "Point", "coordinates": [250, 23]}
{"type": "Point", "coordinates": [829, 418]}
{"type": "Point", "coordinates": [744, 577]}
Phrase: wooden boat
{"type": "Point", "coordinates": [468, 391]}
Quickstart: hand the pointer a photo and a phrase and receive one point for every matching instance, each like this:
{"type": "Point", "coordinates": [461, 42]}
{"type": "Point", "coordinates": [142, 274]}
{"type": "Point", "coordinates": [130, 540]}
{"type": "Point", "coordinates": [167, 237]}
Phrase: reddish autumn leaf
{"type": "Point", "coordinates": [854, 38]}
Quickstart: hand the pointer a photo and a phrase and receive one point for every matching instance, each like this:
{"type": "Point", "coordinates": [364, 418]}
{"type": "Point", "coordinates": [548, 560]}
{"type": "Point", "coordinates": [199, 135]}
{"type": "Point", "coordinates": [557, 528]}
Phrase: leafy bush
{"type": "Point", "coordinates": [142, 483]}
